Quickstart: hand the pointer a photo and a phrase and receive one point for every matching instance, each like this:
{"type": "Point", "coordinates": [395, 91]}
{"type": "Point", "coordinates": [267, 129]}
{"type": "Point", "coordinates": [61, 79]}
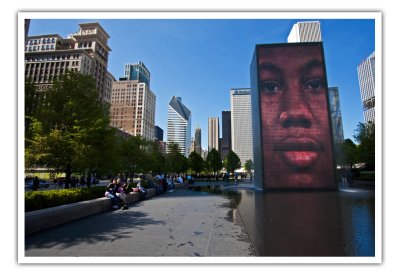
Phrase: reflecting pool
{"type": "Point", "coordinates": [309, 223]}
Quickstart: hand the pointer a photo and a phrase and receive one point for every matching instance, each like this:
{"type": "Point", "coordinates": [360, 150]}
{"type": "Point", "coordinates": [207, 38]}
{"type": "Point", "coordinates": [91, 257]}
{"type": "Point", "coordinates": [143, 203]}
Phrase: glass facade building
{"type": "Point", "coordinates": [197, 140]}
{"type": "Point", "coordinates": [137, 72]}
{"type": "Point", "coordinates": [213, 133]}
{"type": "Point", "coordinates": [336, 115]}
{"type": "Point", "coordinates": [241, 123]}
{"type": "Point", "coordinates": [226, 144]}
{"type": "Point", "coordinates": [179, 125]}
{"type": "Point", "coordinates": [366, 79]}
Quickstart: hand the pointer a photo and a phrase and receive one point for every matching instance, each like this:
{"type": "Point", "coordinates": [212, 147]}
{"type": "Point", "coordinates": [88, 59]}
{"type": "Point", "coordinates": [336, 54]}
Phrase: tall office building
{"type": "Point", "coordinates": [137, 72]}
{"type": "Point", "coordinates": [49, 56]}
{"type": "Point", "coordinates": [108, 83]}
{"type": "Point", "coordinates": [179, 125]}
{"type": "Point", "coordinates": [308, 31]}
{"type": "Point", "coordinates": [197, 140]}
{"type": "Point", "coordinates": [366, 79]}
{"type": "Point", "coordinates": [213, 133]}
{"type": "Point", "coordinates": [241, 123]}
{"type": "Point", "coordinates": [159, 133]}
{"type": "Point", "coordinates": [226, 144]}
{"type": "Point", "coordinates": [336, 115]}
{"type": "Point", "coordinates": [133, 108]}
{"type": "Point", "coordinates": [159, 139]}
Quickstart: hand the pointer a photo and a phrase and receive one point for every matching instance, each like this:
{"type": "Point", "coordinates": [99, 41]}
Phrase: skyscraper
{"type": "Point", "coordinates": [133, 108]}
{"type": "Point", "coordinates": [137, 72]}
{"type": "Point", "coordinates": [179, 125]}
{"type": "Point", "coordinates": [197, 140]}
{"type": "Point", "coordinates": [49, 56]}
{"type": "Point", "coordinates": [308, 31]}
{"type": "Point", "coordinates": [241, 123]}
{"type": "Point", "coordinates": [226, 144]}
{"type": "Point", "coordinates": [336, 115]}
{"type": "Point", "coordinates": [159, 133]}
{"type": "Point", "coordinates": [366, 79]}
{"type": "Point", "coordinates": [213, 133]}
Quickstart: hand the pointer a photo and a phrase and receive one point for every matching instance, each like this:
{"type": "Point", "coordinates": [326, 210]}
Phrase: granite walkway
{"type": "Point", "coordinates": [183, 223]}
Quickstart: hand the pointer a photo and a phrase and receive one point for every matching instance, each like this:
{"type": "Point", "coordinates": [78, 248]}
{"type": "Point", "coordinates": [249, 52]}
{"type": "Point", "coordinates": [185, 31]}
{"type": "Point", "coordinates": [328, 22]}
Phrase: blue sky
{"type": "Point", "coordinates": [200, 60]}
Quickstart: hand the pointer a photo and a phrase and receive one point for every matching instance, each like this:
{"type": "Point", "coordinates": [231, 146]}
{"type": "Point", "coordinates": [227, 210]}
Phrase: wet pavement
{"type": "Point", "coordinates": [181, 223]}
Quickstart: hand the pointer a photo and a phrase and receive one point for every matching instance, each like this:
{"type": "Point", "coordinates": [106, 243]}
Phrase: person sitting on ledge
{"type": "Point", "coordinates": [142, 191]}
{"type": "Point", "coordinates": [110, 194]}
{"type": "Point", "coordinates": [119, 192]}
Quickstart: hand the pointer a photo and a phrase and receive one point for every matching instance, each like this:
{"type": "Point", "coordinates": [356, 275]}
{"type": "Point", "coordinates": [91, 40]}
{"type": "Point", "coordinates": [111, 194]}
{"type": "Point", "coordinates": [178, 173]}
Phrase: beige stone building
{"type": "Point", "coordinates": [133, 107]}
{"type": "Point", "coordinates": [49, 56]}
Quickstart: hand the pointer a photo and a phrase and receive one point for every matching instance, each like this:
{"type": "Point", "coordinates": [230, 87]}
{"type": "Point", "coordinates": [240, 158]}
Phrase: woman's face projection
{"type": "Point", "coordinates": [295, 130]}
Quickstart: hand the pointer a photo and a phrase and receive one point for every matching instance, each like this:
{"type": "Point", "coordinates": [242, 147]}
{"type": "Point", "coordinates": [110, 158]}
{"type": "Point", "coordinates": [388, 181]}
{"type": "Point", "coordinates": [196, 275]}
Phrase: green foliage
{"type": "Point", "coordinates": [365, 135]}
{"type": "Point", "coordinates": [232, 162]}
{"type": "Point", "coordinates": [346, 153]}
{"type": "Point", "coordinates": [364, 176]}
{"type": "Point", "coordinates": [176, 161]}
{"type": "Point", "coordinates": [67, 126]}
{"type": "Point", "coordinates": [196, 162]}
{"type": "Point", "coordinates": [155, 159]}
{"type": "Point", "coordinates": [249, 165]}
{"type": "Point", "coordinates": [214, 161]}
{"type": "Point", "coordinates": [45, 199]}
{"type": "Point", "coordinates": [132, 155]}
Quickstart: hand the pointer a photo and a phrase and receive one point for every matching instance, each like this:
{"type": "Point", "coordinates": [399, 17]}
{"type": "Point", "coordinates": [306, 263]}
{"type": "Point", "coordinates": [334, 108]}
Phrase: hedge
{"type": "Point", "coordinates": [36, 200]}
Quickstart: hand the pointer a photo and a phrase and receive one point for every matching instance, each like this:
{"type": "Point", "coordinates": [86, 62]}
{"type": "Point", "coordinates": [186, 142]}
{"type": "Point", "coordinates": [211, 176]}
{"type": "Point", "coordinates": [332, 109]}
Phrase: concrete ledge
{"type": "Point", "coordinates": [36, 221]}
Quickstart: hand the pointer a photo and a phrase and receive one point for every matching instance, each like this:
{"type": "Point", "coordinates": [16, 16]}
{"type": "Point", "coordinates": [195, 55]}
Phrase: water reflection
{"type": "Point", "coordinates": [301, 223]}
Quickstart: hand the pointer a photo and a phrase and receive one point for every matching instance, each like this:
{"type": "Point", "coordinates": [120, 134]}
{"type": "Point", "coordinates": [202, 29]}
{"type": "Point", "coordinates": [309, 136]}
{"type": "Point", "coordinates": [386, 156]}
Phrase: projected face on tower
{"type": "Point", "coordinates": [295, 130]}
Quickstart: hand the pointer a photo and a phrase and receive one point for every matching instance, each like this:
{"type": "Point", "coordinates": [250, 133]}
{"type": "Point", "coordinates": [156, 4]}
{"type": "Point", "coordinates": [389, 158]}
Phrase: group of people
{"type": "Point", "coordinates": [166, 183]}
{"type": "Point", "coordinates": [117, 191]}
{"type": "Point", "coordinates": [76, 182]}
{"type": "Point", "coordinates": [119, 188]}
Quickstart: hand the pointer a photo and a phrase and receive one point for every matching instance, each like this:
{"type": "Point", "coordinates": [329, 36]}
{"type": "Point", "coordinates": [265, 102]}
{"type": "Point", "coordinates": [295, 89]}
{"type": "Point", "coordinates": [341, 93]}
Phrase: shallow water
{"type": "Point", "coordinates": [309, 223]}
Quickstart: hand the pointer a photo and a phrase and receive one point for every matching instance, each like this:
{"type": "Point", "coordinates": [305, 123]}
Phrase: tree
{"type": "Point", "coordinates": [365, 135]}
{"type": "Point", "coordinates": [214, 161]}
{"type": "Point", "coordinates": [346, 153]}
{"type": "Point", "coordinates": [33, 101]}
{"type": "Point", "coordinates": [232, 162]}
{"type": "Point", "coordinates": [68, 126]}
{"type": "Point", "coordinates": [176, 161]}
{"type": "Point", "coordinates": [196, 162]}
{"type": "Point", "coordinates": [155, 159]}
{"type": "Point", "coordinates": [132, 155]}
{"type": "Point", "coordinates": [249, 165]}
